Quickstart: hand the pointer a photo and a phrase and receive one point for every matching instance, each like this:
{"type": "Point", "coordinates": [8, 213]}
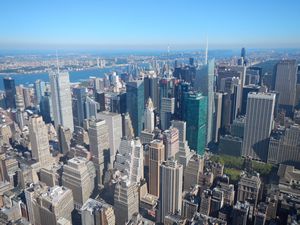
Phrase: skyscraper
{"type": "Point", "coordinates": [114, 124]}
{"type": "Point", "coordinates": [10, 92]}
{"type": "Point", "coordinates": [156, 157]}
{"type": "Point", "coordinates": [171, 175]}
{"type": "Point", "coordinates": [217, 116]}
{"type": "Point", "coordinates": [47, 205]}
{"type": "Point", "coordinates": [99, 148]}
{"type": "Point", "coordinates": [166, 101]}
{"type": "Point", "coordinates": [130, 160]}
{"type": "Point", "coordinates": [205, 77]}
{"type": "Point", "coordinates": [38, 134]}
{"type": "Point", "coordinates": [184, 154]}
{"type": "Point", "coordinates": [195, 115]}
{"type": "Point", "coordinates": [79, 94]}
{"type": "Point", "coordinates": [259, 122]}
{"type": "Point", "coordinates": [79, 176]}
{"type": "Point", "coordinates": [64, 139]}
{"type": "Point", "coordinates": [95, 212]}
{"type": "Point", "coordinates": [135, 104]}
{"type": "Point", "coordinates": [91, 107]}
{"type": "Point", "coordinates": [46, 107]}
{"type": "Point", "coordinates": [149, 116]}
{"type": "Point", "coordinates": [285, 84]}
{"type": "Point", "coordinates": [171, 142]}
{"type": "Point", "coordinates": [126, 201]}
{"type": "Point", "coordinates": [39, 88]}
{"type": "Point", "coordinates": [61, 99]}
{"type": "Point", "coordinates": [240, 213]}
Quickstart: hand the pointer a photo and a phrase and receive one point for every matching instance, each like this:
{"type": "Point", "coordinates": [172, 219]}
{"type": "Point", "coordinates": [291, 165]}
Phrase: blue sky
{"type": "Point", "coordinates": [149, 23]}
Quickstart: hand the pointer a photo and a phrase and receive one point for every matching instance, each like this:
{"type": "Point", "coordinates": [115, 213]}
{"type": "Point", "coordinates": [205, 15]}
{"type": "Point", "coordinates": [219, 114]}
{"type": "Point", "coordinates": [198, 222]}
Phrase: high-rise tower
{"type": "Point", "coordinates": [61, 99]}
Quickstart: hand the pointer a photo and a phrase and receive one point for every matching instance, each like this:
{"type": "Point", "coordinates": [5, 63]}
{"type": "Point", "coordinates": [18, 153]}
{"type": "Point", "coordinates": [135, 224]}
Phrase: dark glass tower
{"type": "Point", "coordinates": [10, 92]}
{"type": "Point", "coordinates": [135, 104]}
{"type": "Point", "coordinates": [195, 115]}
{"type": "Point", "coordinates": [46, 107]}
{"type": "Point", "coordinates": [79, 97]}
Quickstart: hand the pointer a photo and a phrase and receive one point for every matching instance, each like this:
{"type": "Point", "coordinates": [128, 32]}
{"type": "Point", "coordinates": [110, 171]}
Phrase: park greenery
{"type": "Point", "coordinates": [234, 165]}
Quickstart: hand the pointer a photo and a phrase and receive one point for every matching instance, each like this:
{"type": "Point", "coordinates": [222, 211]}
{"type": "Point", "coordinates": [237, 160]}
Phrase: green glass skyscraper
{"type": "Point", "coordinates": [135, 104]}
{"type": "Point", "coordinates": [195, 115]}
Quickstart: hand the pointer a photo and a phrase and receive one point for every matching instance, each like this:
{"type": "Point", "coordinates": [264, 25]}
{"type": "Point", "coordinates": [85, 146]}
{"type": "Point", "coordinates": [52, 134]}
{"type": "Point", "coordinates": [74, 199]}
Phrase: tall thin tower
{"type": "Point", "coordinates": [61, 98]}
{"type": "Point", "coordinates": [206, 51]}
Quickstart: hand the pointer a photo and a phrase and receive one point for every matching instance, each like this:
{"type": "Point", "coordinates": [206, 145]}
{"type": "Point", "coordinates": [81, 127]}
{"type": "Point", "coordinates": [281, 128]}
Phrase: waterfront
{"type": "Point", "coordinates": [75, 76]}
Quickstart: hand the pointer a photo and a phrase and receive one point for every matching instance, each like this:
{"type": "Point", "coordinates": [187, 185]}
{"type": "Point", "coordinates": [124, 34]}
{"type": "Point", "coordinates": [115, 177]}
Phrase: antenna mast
{"type": "Point", "coordinates": [206, 51]}
{"type": "Point", "coordinates": [57, 62]}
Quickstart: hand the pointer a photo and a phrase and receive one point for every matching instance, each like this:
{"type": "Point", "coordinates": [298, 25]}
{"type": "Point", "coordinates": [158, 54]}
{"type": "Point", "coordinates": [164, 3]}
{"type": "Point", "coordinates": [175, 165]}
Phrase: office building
{"type": "Point", "coordinates": [135, 104]}
{"type": "Point", "coordinates": [126, 201]}
{"type": "Point", "coordinates": [79, 97]}
{"type": "Point", "coordinates": [47, 205]}
{"type": "Point", "coordinates": [205, 77]}
{"type": "Point", "coordinates": [171, 142]}
{"type": "Point", "coordinates": [38, 135]}
{"type": "Point", "coordinates": [99, 148]}
{"type": "Point", "coordinates": [130, 159]}
{"type": "Point", "coordinates": [190, 202]}
{"type": "Point", "coordinates": [95, 212]}
{"type": "Point", "coordinates": [217, 117]}
{"type": "Point", "coordinates": [217, 201]}
{"type": "Point", "coordinates": [195, 115]}
{"type": "Point", "coordinates": [184, 154]}
{"type": "Point", "coordinates": [100, 98]}
{"type": "Point", "coordinates": [114, 124]}
{"type": "Point", "coordinates": [61, 99]}
{"type": "Point", "coordinates": [258, 126]}
{"type": "Point", "coordinates": [39, 89]}
{"type": "Point", "coordinates": [64, 136]}
{"type": "Point", "coordinates": [91, 107]}
{"type": "Point", "coordinates": [246, 90]}
{"type": "Point", "coordinates": [46, 107]}
{"type": "Point", "coordinates": [260, 214]}
{"type": "Point", "coordinates": [156, 157]}
{"type": "Point", "coordinates": [10, 92]}
{"type": "Point", "coordinates": [192, 172]}
{"type": "Point", "coordinates": [171, 175]}
{"type": "Point", "coordinates": [79, 176]}
{"type": "Point", "coordinates": [205, 202]}
{"type": "Point", "coordinates": [149, 122]}
{"type": "Point", "coordinates": [249, 188]}
{"type": "Point", "coordinates": [166, 101]}
{"type": "Point", "coordinates": [240, 213]}
{"type": "Point", "coordinates": [285, 84]}
{"type": "Point", "coordinates": [151, 82]}
{"type": "Point", "coordinates": [284, 145]}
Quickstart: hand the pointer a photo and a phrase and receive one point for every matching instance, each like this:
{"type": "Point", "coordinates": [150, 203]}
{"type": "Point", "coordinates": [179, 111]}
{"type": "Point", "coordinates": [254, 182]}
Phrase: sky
{"type": "Point", "coordinates": [149, 24]}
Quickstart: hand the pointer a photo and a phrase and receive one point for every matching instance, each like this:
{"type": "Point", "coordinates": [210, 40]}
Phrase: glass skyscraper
{"type": "Point", "coordinates": [205, 80]}
{"type": "Point", "coordinates": [10, 92]}
{"type": "Point", "coordinates": [195, 115]}
{"type": "Point", "coordinates": [135, 104]}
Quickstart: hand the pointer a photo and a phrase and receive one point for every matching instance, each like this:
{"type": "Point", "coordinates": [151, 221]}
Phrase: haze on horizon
{"type": "Point", "coordinates": [152, 24]}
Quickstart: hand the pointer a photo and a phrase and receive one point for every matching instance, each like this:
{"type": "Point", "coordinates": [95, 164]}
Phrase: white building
{"type": "Point", "coordinates": [149, 116]}
{"type": "Point", "coordinates": [114, 124]}
{"type": "Point", "coordinates": [130, 159]}
{"type": "Point", "coordinates": [258, 126]}
{"type": "Point", "coordinates": [61, 99]}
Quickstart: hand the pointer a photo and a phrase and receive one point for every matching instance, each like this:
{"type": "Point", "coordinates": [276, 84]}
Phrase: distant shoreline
{"type": "Point", "coordinates": [71, 70]}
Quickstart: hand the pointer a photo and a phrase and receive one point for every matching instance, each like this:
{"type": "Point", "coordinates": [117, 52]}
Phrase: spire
{"type": "Point", "coordinates": [206, 51]}
{"type": "Point", "coordinates": [150, 104]}
{"type": "Point", "coordinates": [57, 62]}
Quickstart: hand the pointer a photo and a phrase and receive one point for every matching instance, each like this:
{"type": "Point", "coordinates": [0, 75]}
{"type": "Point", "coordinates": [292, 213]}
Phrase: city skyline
{"type": "Point", "coordinates": [148, 25]}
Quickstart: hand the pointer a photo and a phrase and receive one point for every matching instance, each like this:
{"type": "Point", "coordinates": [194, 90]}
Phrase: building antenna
{"type": "Point", "coordinates": [57, 62]}
{"type": "Point", "coordinates": [206, 51]}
